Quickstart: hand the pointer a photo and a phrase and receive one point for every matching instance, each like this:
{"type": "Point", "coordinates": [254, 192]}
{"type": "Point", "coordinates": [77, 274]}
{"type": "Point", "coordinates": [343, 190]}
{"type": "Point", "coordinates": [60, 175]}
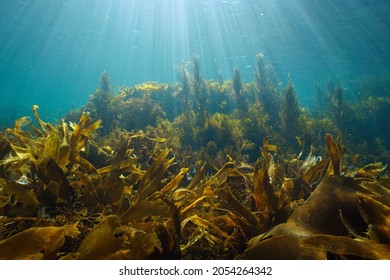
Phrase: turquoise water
{"type": "Point", "coordinates": [52, 52]}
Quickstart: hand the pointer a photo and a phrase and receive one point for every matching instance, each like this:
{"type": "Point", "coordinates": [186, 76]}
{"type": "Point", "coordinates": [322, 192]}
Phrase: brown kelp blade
{"type": "Point", "coordinates": [50, 172]}
{"type": "Point", "coordinates": [282, 243]}
{"type": "Point", "coordinates": [343, 245]}
{"type": "Point", "coordinates": [19, 192]}
{"type": "Point", "coordinates": [174, 183]}
{"type": "Point", "coordinates": [81, 131]}
{"type": "Point", "coordinates": [140, 245]}
{"type": "Point", "coordinates": [113, 185]}
{"type": "Point", "coordinates": [36, 242]}
{"type": "Point", "coordinates": [158, 159]}
{"type": "Point", "coordinates": [64, 148]}
{"type": "Point", "coordinates": [150, 184]}
{"type": "Point", "coordinates": [334, 153]}
{"type": "Point", "coordinates": [102, 241]}
{"type": "Point", "coordinates": [315, 173]}
{"type": "Point", "coordinates": [371, 170]}
{"type": "Point", "coordinates": [245, 215]}
{"type": "Point", "coordinates": [376, 214]}
{"type": "Point", "coordinates": [263, 190]}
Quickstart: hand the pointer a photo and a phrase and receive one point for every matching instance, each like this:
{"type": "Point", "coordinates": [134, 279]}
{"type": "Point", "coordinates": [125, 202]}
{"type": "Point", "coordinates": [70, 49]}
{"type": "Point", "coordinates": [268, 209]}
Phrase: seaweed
{"type": "Point", "coordinates": [200, 94]}
{"type": "Point", "coordinates": [199, 170]}
{"type": "Point", "coordinates": [289, 113]}
{"type": "Point", "coordinates": [266, 91]}
{"type": "Point", "coordinates": [322, 224]}
{"type": "Point", "coordinates": [237, 90]}
{"type": "Point", "coordinates": [52, 195]}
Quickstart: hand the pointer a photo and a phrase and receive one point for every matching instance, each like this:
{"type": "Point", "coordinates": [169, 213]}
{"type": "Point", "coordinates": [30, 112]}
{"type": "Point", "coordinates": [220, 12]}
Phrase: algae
{"type": "Point", "coordinates": [198, 170]}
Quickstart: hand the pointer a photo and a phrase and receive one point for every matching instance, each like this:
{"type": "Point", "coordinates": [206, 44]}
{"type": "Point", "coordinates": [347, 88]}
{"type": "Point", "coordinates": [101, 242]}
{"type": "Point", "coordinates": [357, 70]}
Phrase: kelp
{"type": "Point", "coordinates": [59, 200]}
{"type": "Point", "coordinates": [36, 242]}
{"type": "Point", "coordinates": [325, 223]}
{"type": "Point", "coordinates": [377, 215]}
{"type": "Point", "coordinates": [51, 161]}
{"type": "Point", "coordinates": [345, 246]}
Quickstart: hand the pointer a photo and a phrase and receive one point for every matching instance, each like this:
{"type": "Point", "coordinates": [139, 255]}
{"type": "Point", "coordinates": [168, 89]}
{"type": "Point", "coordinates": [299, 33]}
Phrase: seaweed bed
{"type": "Point", "coordinates": [189, 171]}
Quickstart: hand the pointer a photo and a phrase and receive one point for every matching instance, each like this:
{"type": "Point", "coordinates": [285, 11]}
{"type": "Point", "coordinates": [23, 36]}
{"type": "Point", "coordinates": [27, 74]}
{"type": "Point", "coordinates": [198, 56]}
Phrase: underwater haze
{"type": "Point", "coordinates": [53, 52]}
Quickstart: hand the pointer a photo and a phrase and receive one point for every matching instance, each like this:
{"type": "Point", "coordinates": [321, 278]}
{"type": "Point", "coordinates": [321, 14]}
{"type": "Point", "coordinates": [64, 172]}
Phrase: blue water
{"type": "Point", "coordinates": [52, 52]}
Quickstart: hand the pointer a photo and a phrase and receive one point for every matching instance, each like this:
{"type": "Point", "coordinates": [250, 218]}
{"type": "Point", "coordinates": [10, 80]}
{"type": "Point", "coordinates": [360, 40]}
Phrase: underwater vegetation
{"type": "Point", "coordinates": [56, 205]}
{"type": "Point", "coordinates": [199, 170]}
{"type": "Point", "coordinates": [205, 118]}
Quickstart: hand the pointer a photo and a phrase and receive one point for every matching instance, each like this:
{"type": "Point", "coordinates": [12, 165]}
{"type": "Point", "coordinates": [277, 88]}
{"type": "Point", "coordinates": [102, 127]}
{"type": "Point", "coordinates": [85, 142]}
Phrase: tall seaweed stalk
{"type": "Point", "coordinates": [237, 90]}
{"type": "Point", "coordinates": [289, 112]}
{"type": "Point", "coordinates": [199, 91]}
{"type": "Point", "coordinates": [319, 101]}
{"type": "Point", "coordinates": [184, 94]}
{"type": "Point", "coordinates": [101, 104]}
{"type": "Point", "coordinates": [336, 103]}
{"type": "Point", "coordinates": [267, 94]}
